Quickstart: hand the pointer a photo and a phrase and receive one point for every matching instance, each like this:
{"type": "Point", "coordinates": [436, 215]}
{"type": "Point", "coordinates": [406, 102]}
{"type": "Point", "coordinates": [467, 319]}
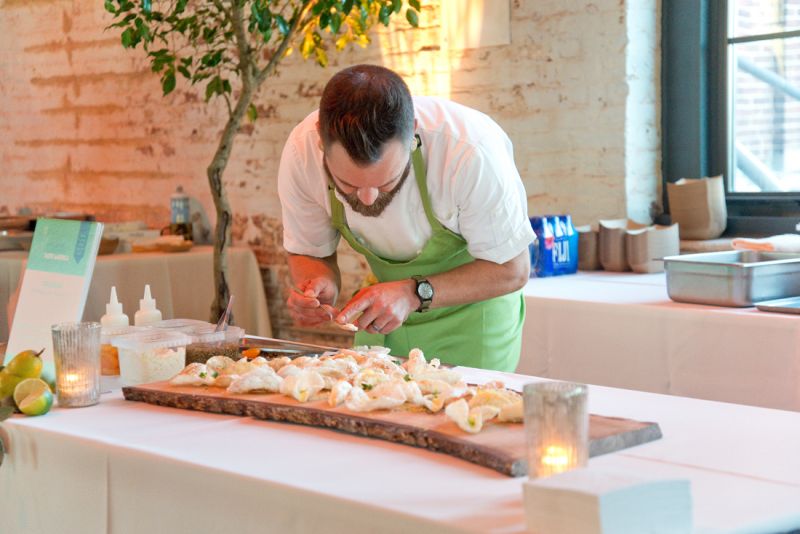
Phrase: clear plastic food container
{"type": "Point", "coordinates": [109, 355]}
{"type": "Point", "coordinates": [205, 341]}
{"type": "Point", "coordinates": [151, 355]}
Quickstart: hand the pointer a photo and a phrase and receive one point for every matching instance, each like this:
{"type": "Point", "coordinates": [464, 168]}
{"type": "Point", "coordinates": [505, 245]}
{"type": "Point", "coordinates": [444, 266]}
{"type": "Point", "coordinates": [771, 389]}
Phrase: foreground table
{"type": "Point", "coordinates": [622, 330]}
{"type": "Point", "coordinates": [129, 467]}
{"type": "Point", "coordinates": [182, 284]}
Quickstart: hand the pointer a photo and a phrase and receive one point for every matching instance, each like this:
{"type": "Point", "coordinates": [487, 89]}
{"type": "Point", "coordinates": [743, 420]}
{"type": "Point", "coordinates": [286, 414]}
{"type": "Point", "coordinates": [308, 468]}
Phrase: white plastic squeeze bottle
{"type": "Point", "coordinates": [147, 313]}
{"type": "Point", "coordinates": [114, 317]}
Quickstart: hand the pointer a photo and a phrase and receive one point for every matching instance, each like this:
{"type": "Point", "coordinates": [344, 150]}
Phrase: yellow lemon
{"type": "Point", "coordinates": [33, 396]}
{"type": "Point", "coordinates": [26, 364]}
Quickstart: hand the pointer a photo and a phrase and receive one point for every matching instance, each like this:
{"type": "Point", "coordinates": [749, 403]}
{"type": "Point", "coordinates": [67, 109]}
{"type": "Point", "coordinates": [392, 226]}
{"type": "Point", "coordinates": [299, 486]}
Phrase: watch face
{"type": "Point", "coordinates": [425, 290]}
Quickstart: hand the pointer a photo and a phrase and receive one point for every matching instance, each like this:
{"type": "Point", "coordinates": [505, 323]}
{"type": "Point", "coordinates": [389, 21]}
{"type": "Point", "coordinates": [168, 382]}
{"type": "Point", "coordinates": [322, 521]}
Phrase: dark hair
{"type": "Point", "coordinates": [363, 107]}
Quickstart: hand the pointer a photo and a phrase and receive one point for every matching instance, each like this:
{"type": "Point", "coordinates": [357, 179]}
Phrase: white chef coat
{"type": "Point", "coordinates": [473, 183]}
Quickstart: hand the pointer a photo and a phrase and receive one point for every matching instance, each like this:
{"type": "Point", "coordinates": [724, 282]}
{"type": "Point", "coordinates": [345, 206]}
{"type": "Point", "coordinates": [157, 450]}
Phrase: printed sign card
{"type": "Point", "coordinates": [55, 284]}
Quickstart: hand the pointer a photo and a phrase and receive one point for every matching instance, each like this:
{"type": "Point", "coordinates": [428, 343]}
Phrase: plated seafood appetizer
{"type": "Point", "coordinates": [363, 379]}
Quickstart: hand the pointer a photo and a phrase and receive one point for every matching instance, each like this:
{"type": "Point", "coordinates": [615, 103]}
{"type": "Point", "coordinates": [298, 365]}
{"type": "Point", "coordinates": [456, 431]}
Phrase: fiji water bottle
{"type": "Point", "coordinates": [179, 214]}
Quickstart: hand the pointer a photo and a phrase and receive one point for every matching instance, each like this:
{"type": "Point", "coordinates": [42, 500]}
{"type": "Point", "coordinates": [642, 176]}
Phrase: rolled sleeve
{"type": "Point", "coordinates": [307, 226]}
{"type": "Point", "coordinates": [493, 214]}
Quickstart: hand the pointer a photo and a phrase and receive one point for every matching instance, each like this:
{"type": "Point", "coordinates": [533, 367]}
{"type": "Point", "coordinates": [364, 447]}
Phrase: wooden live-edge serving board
{"type": "Point", "coordinates": [499, 446]}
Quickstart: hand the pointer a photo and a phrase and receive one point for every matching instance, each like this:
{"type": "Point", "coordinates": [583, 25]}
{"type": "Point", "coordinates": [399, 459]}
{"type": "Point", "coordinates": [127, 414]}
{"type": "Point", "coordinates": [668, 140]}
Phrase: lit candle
{"type": "Point", "coordinates": [556, 426]}
{"type": "Point", "coordinates": [557, 459]}
{"type": "Point", "coordinates": [76, 351]}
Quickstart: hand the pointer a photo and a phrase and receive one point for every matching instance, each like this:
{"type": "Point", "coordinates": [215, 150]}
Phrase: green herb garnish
{"type": "Point", "coordinates": [214, 374]}
{"type": "Point", "coordinates": [202, 375]}
{"type": "Point", "coordinates": [407, 378]}
{"type": "Point", "coordinates": [366, 387]}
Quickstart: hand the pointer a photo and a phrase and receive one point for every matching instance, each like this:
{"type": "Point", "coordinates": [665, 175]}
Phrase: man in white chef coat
{"type": "Point", "coordinates": [427, 190]}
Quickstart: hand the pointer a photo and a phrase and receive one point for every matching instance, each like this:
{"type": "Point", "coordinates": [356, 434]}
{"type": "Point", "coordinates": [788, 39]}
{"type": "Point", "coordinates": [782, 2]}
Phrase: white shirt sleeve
{"type": "Point", "coordinates": [307, 226]}
{"type": "Point", "coordinates": [492, 204]}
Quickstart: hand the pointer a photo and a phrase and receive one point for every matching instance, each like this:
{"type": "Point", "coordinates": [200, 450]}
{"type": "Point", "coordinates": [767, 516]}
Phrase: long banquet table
{"type": "Point", "coordinates": [622, 330]}
{"type": "Point", "coordinates": [123, 467]}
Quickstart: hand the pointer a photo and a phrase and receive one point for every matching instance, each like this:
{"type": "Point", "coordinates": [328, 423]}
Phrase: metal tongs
{"type": "Point", "coordinates": [271, 344]}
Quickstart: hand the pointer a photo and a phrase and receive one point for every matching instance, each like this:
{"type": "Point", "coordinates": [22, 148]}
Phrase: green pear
{"type": "Point", "coordinates": [26, 364]}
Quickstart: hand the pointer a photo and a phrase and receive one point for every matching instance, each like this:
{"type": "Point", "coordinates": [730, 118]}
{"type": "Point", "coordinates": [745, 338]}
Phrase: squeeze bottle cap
{"type": "Point", "coordinates": [114, 307]}
{"type": "Point", "coordinates": [148, 302]}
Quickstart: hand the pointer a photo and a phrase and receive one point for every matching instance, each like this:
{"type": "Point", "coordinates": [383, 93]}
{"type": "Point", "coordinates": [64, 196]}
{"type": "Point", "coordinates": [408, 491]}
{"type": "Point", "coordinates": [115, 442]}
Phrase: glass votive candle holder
{"type": "Point", "coordinates": [76, 351]}
{"type": "Point", "coordinates": [556, 427]}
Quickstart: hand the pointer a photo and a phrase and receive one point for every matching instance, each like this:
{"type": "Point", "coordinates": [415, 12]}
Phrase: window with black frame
{"type": "Point", "coordinates": [763, 49]}
{"type": "Point", "coordinates": [731, 105]}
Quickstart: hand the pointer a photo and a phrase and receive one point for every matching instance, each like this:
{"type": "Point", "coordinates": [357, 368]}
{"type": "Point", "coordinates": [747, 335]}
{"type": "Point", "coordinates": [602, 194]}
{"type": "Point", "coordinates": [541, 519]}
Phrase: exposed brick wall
{"type": "Point", "coordinates": [83, 125]}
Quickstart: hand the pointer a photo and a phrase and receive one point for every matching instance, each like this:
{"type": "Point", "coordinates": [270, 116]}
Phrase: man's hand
{"type": "Point", "coordinates": [382, 307]}
{"type": "Point", "coordinates": [314, 306]}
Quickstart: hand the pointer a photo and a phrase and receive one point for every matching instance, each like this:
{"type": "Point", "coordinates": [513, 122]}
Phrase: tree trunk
{"type": "Point", "coordinates": [222, 232]}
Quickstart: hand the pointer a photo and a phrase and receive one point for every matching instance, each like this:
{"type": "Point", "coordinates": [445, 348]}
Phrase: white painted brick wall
{"type": "Point", "coordinates": [83, 124]}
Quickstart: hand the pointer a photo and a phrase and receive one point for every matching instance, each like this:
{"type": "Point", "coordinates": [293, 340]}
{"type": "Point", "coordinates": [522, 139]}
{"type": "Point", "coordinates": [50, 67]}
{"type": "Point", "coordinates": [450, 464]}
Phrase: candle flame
{"type": "Point", "coordinates": [556, 457]}
{"type": "Point", "coordinates": [71, 377]}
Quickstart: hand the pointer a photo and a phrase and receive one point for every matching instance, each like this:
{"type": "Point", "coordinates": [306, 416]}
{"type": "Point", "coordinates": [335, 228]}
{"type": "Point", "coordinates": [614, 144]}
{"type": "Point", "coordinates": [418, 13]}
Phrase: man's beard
{"type": "Point", "coordinates": [380, 204]}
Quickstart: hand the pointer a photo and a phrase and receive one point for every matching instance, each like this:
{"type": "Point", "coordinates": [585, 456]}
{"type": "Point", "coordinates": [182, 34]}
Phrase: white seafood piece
{"type": "Point", "coordinates": [412, 391]}
{"type": "Point", "coordinates": [225, 380]}
{"type": "Point", "coordinates": [303, 386]}
{"type": "Point", "coordinates": [277, 363]}
{"type": "Point", "coordinates": [194, 374]}
{"type": "Point", "coordinates": [360, 401]}
{"type": "Point", "coordinates": [219, 363]}
{"type": "Point", "coordinates": [369, 378]}
{"type": "Point", "coordinates": [445, 375]}
{"type": "Point", "coordinates": [339, 392]}
{"type": "Point", "coordinates": [261, 378]}
{"type": "Point", "coordinates": [305, 361]}
{"type": "Point", "coordinates": [416, 362]}
{"type": "Point", "coordinates": [241, 367]}
{"type": "Point", "coordinates": [499, 398]}
{"type": "Point", "coordinates": [512, 413]}
{"type": "Point", "coordinates": [259, 361]}
{"type": "Point", "coordinates": [436, 387]}
{"type": "Point", "coordinates": [289, 370]}
{"type": "Point", "coordinates": [470, 419]}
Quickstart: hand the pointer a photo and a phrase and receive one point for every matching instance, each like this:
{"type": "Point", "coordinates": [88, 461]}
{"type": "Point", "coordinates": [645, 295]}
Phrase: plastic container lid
{"type": "Point", "coordinates": [151, 338]}
{"type": "Point", "coordinates": [201, 331]}
{"type": "Point", "coordinates": [109, 332]}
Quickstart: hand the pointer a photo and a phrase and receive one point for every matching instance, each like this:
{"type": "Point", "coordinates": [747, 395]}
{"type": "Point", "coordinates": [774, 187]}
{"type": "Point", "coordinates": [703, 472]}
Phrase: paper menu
{"type": "Point", "coordinates": [55, 284]}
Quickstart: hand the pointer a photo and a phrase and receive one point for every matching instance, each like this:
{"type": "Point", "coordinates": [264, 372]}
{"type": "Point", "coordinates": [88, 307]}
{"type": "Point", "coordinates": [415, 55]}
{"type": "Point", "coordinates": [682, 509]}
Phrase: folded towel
{"type": "Point", "coordinates": [777, 243]}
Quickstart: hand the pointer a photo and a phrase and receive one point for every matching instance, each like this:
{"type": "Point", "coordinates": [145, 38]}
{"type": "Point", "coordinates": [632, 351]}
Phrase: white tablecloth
{"type": "Point", "coordinates": [126, 467]}
{"type": "Point", "coordinates": [622, 330]}
{"type": "Point", "coordinates": [182, 284]}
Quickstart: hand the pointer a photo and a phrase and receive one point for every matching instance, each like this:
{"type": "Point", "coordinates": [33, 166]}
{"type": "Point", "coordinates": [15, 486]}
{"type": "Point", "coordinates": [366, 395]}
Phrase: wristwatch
{"type": "Point", "coordinates": [424, 293]}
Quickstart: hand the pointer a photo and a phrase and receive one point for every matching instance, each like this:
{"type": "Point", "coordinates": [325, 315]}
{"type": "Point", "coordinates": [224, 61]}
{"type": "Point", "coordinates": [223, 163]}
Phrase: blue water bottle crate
{"type": "Point", "coordinates": [555, 250]}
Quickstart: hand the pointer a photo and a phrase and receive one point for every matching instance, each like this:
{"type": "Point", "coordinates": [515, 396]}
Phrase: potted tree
{"type": "Point", "coordinates": [229, 49]}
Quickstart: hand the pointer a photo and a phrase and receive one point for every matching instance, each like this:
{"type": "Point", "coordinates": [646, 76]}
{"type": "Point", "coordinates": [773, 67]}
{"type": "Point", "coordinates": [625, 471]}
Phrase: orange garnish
{"type": "Point", "coordinates": [251, 352]}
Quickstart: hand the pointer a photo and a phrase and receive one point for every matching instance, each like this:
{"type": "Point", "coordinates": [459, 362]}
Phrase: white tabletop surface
{"type": "Point", "coordinates": [131, 467]}
{"type": "Point", "coordinates": [622, 330]}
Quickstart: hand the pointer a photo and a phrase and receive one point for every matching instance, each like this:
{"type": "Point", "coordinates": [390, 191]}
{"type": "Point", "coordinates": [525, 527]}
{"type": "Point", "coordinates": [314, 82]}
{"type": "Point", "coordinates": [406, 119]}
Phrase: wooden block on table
{"type": "Point", "coordinates": [595, 500]}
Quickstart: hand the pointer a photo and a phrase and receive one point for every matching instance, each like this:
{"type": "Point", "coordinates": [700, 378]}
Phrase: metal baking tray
{"type": "Point", "coordinates": [736, 278]}
{"type": "Point", "coordinates": [788, 305]}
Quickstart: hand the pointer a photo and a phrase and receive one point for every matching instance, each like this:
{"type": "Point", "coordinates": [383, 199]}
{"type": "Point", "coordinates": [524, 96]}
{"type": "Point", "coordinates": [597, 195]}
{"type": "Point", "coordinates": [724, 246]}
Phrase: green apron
{"type": "Point", "coordinates": [485, 334]}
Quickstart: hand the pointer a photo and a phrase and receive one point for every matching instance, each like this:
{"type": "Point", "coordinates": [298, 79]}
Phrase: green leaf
{"type": "Point", "coordinates": [6, 412]}
{"type": "Point", "coordinates": [168, 82]}
{"type": "Point", "coordinates": [283, 26]}
{"type": "Point", "coordinates": [183, 70]}
{"type": "Point", "coordinates": [347, 6]}
{"type": "Point", "coordinates": [252, 113]}
{"type": "Point", "coordinates": [226, 86]}
{"type": "Point", "coordinates": [147, 6]}
{"type": "Point", "coordinates": [412, 18]}
{"type": "Point", "coordinates": [336, 23]}
{"type": "Point", "coordinates": [324, 20]}
{"type": "Point", "coordinates": [109, 5]}
{"type": "Point", "coordinates": [383, 15]}
{"type": "Point", "coordinates": [397, 5]}
{"type": "Point", "coordinates": [213, 87]}
{"type": "Point", "coordinates": [415, 4]}
{"type": "Point", "coordinates": [129, 38]}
